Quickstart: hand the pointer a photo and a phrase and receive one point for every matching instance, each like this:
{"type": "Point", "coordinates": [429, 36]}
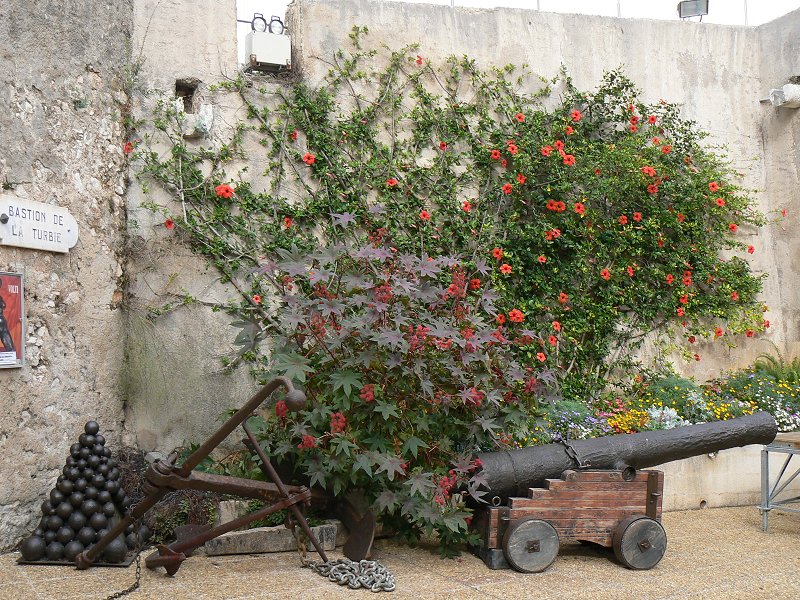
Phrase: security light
{"type": "Point", "coordinates": [692, 8]}
{"type": "Point", "coordinates": [276, 25]}
{"type": "Point", "coordinates": [259, 23]}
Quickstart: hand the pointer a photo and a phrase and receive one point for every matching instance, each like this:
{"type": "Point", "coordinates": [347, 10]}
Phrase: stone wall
{"type": "Point", "coordinates": [62, 96]}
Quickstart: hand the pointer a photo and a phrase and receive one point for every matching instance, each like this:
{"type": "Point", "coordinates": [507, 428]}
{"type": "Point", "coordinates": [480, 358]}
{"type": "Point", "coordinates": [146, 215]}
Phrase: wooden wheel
{"type": "Point", "coordinates": [531, 546]}
{"type": "Point", "coordinates": [639, 542]}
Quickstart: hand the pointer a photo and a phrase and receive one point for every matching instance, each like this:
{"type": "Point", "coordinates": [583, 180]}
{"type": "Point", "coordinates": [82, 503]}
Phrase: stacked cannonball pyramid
{"type": "Point", "coordinates": [83, 506]}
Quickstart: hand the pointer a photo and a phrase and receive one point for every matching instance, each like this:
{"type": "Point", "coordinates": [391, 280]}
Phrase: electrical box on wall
{"type": "Point", "coordinates": [268, 51]}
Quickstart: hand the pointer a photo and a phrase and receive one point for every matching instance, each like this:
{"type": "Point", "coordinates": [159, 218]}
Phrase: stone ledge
{"type": "Point", "coordinates": [269, 539]}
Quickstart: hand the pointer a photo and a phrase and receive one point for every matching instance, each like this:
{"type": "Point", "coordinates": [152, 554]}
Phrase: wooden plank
{"type": "Point", "coordinates": [561, 504]}
{"type": "Point", "coordinates": [637, 494]}
{"type": "Point", "coordinates": [560, 485]}
{"type": "Point", "coordinates": [564, 513]}
{"type": "Point", "coordinates": [791, 438]}
{"type": "Point", "coordinates": [601, 476]}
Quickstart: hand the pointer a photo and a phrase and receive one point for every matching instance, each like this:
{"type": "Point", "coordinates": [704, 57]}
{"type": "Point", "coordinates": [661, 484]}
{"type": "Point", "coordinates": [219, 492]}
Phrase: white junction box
{"type": "Point", "coordinates": [268, 51]}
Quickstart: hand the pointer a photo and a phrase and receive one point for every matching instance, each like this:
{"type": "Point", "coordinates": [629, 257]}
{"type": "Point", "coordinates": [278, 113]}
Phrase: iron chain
{"type": "Point", "coordinates": [368, 574]}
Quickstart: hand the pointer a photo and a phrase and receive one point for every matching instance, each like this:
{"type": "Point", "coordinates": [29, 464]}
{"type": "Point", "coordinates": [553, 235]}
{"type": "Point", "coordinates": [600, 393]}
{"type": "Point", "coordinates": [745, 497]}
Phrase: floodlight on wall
{"type": "Point", "coordinates": [692, 8]}
{"type": "Point", "coordinates": [259, 23]}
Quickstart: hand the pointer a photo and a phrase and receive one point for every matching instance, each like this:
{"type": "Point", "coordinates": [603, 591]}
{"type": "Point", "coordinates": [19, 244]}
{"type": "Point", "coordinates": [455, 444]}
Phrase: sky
{"type": "Point", "coordinates": [726, 12]}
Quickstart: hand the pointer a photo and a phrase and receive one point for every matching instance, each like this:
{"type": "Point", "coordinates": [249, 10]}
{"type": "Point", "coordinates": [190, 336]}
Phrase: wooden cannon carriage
{"type": "Point", "coordinates": [619, 509]}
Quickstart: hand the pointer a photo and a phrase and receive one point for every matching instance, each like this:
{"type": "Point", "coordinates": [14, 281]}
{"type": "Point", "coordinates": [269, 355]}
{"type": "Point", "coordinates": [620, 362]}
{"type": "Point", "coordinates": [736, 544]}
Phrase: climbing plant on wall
{"type": "Point", "coordinates": [440, 246]}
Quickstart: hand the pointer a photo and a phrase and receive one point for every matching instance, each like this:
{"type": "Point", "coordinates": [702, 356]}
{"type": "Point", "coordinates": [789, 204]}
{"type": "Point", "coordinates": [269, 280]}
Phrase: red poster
{"type": "Point", "coordinates": [11, 315]}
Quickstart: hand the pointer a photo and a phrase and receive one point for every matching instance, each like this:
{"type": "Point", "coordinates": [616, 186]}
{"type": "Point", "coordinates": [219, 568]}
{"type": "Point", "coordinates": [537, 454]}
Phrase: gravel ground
{"type": "Point", "coordinates": [711, 554]}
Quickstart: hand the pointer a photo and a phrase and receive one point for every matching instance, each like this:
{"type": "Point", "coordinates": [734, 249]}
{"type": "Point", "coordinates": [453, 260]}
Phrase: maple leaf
{"type": "Point", "coordinates": [391, 465]}
{"type": "Point", "coordinates": [363, 462]}
{"type": "Point", "coordinates": [343, 219]}
{"type": "Point", "coordinates": [291, 365]}
{"type": "Point", "coordinates": [345, 381]}
{"type": "Point", "coordinates": [482, 267]}
{"type": "Point", "coordinates": [377, 209]}
{"type": "Point", "coordinates": [386, 501]}
{"type": "Point", "coordinates": [413, 444]}
{"type": "Point", "coordinates": [419, 482]}
{"type": "Point", "coordinates": [386, 409]}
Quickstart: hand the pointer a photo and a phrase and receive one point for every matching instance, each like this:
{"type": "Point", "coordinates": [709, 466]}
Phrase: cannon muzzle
{"type": "Point", "coordinates": [512, 472]}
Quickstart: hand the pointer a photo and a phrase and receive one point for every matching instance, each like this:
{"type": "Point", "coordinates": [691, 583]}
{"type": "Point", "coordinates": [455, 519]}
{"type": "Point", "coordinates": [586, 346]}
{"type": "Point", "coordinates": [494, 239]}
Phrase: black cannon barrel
{"type": "Point", "coordinates": [512, 472]}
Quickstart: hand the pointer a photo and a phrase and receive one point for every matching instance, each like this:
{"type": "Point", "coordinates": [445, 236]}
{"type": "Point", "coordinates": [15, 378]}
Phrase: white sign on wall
{"type": "Point", "coordinates": [36, 225]}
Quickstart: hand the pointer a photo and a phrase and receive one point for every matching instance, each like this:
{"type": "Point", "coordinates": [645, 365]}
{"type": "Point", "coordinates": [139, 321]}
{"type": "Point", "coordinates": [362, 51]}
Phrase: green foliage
{"type": "Point", "coordinates": [778, 367]}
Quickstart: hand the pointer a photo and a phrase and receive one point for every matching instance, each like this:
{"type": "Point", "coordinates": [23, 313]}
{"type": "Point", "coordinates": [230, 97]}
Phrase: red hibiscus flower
{"type": "Point", "coordinates": [563, 298]}
{"type": "Point", "coordinates": [507, 188]}
{"type": "Point", "coordinates": [766, 324]}
{"type": "Point", "coordinates": [649, 171]}
{"type": "Point", "coordinates": [580, 208]}
{"type": "Point", "coordinates": [391, 182]}
{"type": "Point", "coordinates": [749, 333]}
{"type": "Point", "coordinates": [501, 318]}
{"type": "Point", "coordinates": [692, 339]}
{"type": "Point", "coordinates": [623, 220]}
{"type": "Point", "coordinates": [652, 188]}
{"type": "Point", "coordinates": [733, 227]}
{"type": "Point", "coordinates": [256, 299]}
{"type": "Point", "coordinates": [541, 356]}
{"type": "Point", "coordinates": [666, 148]}
{"type": "Point", "coordinates": [521, 179]}
{"type": "Point", "coordinates": [633, 128]}
{"type": "Point", "coordinates": [127, 147]}
{"type": "Point", "coordinates": [513, 148]}
{"type": "Point", "coordinates": [516, 316]}
{"type": "Point", "coordinates": [169, 224]}
{"type": "Point", "coordinates": [751, 249]}
{"type": "Point", "coordinates": [559, 145]}
{"type": "Point", "coordinates": [720, 202]}
{"type": "Point", "coordinates": [651, 119]}
{"type": "Point", "coordinates": [547, 150]}
{"type": "Point", "coordinates": [475, 284]}
{"type": "Point", "coordinates": [556, 325]}
{"type": "Point", "coordinates": [680, 312]}
{"type": "Point", "coordinates": [505, 268]}
{"type": "Point", "coordinates": [425, 215]}
{"type": "Point", "coordinates": [630, 271]}
{"type": "Point", "coordinates": [569, 130]}
{"type": "Point", "coordinates": [553, 340]}
{"type": "Point", "coordinates": [287, 222]}
{"type": "Point", "coordinates": [504, 163]}
{"type": "Point", "coordinates": [224, 191]}
{"type": "Point", "coordinates": [734, 296]}
{"type": "Point", "coordinates": [670, 279]}
{"type": "Point", "coordinates": [576, 115]}
{"type": "Point", "coordinates": [656, 141]}
{"type": "Point", "coordinates": [497, 253]}
{"type": "Point", "coordinates": [569, 160]}
{"type": "Point", "coordinates": [718, 332]}
{"type": "Point", "coordinates": [605, 274]}
{"type": "Point", "coordinates": [713, 186]}
{"type": "Point", "coordinates": [419, 60]}
{"type": "Point", "coordinates": [637, 216]}
{"type": "Point", "coordinates": [495, 154]}
{"type": "Point", "coordinates": [442, 145]}
{"type": "Point", "coordinates": [681, 218]}
{"type": "Point", "coordinates": [697, 357]}
{"type": "Point", "coordinates": [542, 258]}
{"type": "Point", "coordinates": [634, 120]}
{"type": "Point", "coordinates": [683, 299]}
{"type": "Point", "coordinates": [309, 158]}
{"type": "Point", "coordinates": [293, 135]}
{"type": "Point", "coordinates": [519, 117]}
{"type": "Point", "coordinates": [660, 242]}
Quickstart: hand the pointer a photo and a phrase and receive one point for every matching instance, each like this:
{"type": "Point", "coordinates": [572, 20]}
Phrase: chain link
{"type": "Point", "coordinates": [140, 546]}
{"type": "Point", "coordinates": [368, 574]}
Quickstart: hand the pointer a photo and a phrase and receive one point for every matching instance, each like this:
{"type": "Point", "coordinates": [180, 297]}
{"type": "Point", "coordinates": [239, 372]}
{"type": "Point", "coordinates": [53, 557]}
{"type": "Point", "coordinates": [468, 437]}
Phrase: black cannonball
{"type": "Point", "coordinates": [144, 533]}
{"type": "Point", "coordinates": [97, 452]}
{"type": "Point", "coordinates": [47, 508]}
{"type": "Point", "coordinates": [100, 439]}
{"type": "Point", "coordinates": [104, 496]}
{"type": "Point", "coordinates": [98, 521]}
{"type": "Point", "coordinates": [72, 550]}
{"type": "Point", "coordinates": [81, 463]}
{"type": "Point", "coordinates": [132, 540]}
{"type": "Point", "coordinates": [94, 461]}
{"type": "Point", "coordinates": [112, 463]}
{"type": "Point", "coordinates": [112, 486]}
{"type": "Point", "coordinates": [86, 535]}
{"type": "Point", "coordinates": [101, 534]}
{"type": "Point", "coordinates": [115, 552]}
{"type": "Point", "coordinates": [33, 548]}
{"type": "Point", "coordinates": [66, 487]}
{"type": "Point", "coordinates": [54, 550]}
{"type": "Point", "coordinates": [54, 522]}
{"type": "Point", "coordinates": [49, 536]}
{"type": "Point", "coordinates": [119, 495]}
{"type": "Point", "coordinates": [73, 474]}
{"type": "Point", "coordinates": [91, 428]}
{"type": "Point", "coordinates": [80, 484]}
{"type": "Point", "coordinates": [42, 523]}
{"type": "Point", "coordinates": [114, 474]}
{"type": "Point", "coordinates": [125, 504]}
{"type": "Point", "coordinates": [71, 462]}
{"type": "Point", "coordinates": [64, 510]}
{"type": "Point", "coordinates": [82, 439]}
{"type": "Point", "coordinates": [59, 479]}
{"type": "Point", "coordinates": [89, 507]}
{"type": "Point", "coordinates": [76, 499]}
{"type": "Point", "coordinates": [39, 532]}
{"type": "Point", "coordinates": [91, 493]}
{"type": "Point", "coordinates": [56, 497]}
{"type": "Point", "coordinates": [77, 520]}
{"type": "Point", "coordinates": [130, 529]}
{"type": "Point", "coordinates": [85, 453]}
{"type": "Point", "coordinates": [65, 535]}
{"type": "Point", "coordinates": [90, 441]}
{"type": "Point", "coordinates": [74, 450]}
{"type": "Point", "coordinates": [107, 452]}
{"type": "Point", "coordinates": [99, 481]}
{"type": "Point", "coordinates": [109, 510]}
{"type": "Point", "coordinates": [103, 470]}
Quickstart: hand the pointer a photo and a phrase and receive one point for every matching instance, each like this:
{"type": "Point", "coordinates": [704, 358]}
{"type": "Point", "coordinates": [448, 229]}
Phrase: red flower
{"type": "Point", "coordinates": [521, 179]}
{"type": "Point", "coordinates": [718, 332]}
{"type": "Point", "coordinates": [670, 279]}
{"type": "Point", "coordinates": [720, 202]}
{"type": "Point", "coordinates": [666, 148]}
{"type": "Point", "coordinates": [692, 339]}
{"type": "Point", "coordinates": [127, 147]}
{"type": "Point", "coordinates": [293, 134]}
{"type": "Point", "coordinates": [569, 130]}
{"type": "Point", "coordinates": [553, 340]}
{"type": "Point", "coordinates": [466, 206]}
{"type": "Point", "coordinates": [660, 242]}
{"type": "Point", "coordinates": [683, 299]}
{"type": "Point", "coordinates": [559, 145]}
{"type": "Point", "coordinates": [501, 318]}
{"type": "Point", "coordinates": [256, 299]}
{"type": "Point", "coordinates": [766, 324]}
{"type": "Point", "coordinates": [556, 325]}
{"type": "Point", "coordinates": [749, 333]}
{"type": "Point", "coordinates": [497, 253]}
{"type": "Point", "coordinates": [419, 60]}
{"type": "Point", "coordinates": [513, 149]}
{"type": "Point", "coordinates": [507, 188]}
{"type": "Point", "coordinates": [542, 258]}
{"type": "Point", "coordinates": [309, 441]}
{"type": "Point", "coordinates": [541, 356]}
{"type": "Point", "coordinates": [751, 249]}
{"type": "Point", "coordinates": [623, 220]}
{"type": "Point", "coordinates": [651, 119]}
{"type": "Point", "coordinates": [649, 171]}
{"type": "Point", "coordinates": [474, 284]}
{"type": "Point", "coordinates": [576, 115]}
{"type": "Point", "coordinates": [634, 120]}
{"type": "Point", "coordinates": [633, 128]}
{"type": "Point", "coordinates": [519, 117]}
{"type": "Point", "coordinates": [733, 227]}
{"type": "Point", "coordinates": [224, 191]}
{"type": "Point", "coordinates": [652, 188]}
{"type": "Point", "coordinates": [495, 154]}
{"type": "Point", "coordinates": [713, 186]}
{"type": "Point", "coordinates": [281, 410]}
{"type": "Point", "coordinates": [697, 357]}
{"type": "Point", "coordinates": [630, 271]}
{"type": "Point", "coordinates": [784, 212]}
{"type": "Point", "coordinates": [516, 316]}
{"type": "Point", "coordinates": [569, 160]}
{"type": "Point", "coordinates": [505, 268]}
{"type": "Point", "coordinates": [391, 182]}
{"type": "Point", "coordinates": [287, 222]}
{"type": "Point", "coordinates": [563, 298]}
{"type": "Point", "coordinates": [637, 216]}
{"type": "Point", "coordinates": [309, 158]}
{"type": "Point", "coordinates": [547, 150]}
{"type": "Point", "coordinates": [681, 218]}
{"type": "Point", "coordinates": [605, 274]}
{"type": "Point", "coordinates": [338, 422]}
{"type": "Point", "coordinates": [425, 215]}
{"type": "Point", "coordinates": [169, 224]}
{"type": "Point", "coordinates": [680, 312]}
{"type": "Point", "coordinates": [734, 296]}
{"type": "Point", "coordinates": [442, 145]}
{"type": "Point", "coordinates": [368, 392]}
{"type": "Point", "coordinates": [580, 208]}
{"type": "Point", "coordinates": [598, 172]}
{"type": "Point", "coordinates": [656, 141]}
{"type": "Point", "coordinates": [504, 163]}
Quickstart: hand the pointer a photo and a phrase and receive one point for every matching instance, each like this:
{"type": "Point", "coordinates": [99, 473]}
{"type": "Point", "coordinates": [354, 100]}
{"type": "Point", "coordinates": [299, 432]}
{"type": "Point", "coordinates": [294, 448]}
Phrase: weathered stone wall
{"type": "Point", "coordinates": [62, 98]}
